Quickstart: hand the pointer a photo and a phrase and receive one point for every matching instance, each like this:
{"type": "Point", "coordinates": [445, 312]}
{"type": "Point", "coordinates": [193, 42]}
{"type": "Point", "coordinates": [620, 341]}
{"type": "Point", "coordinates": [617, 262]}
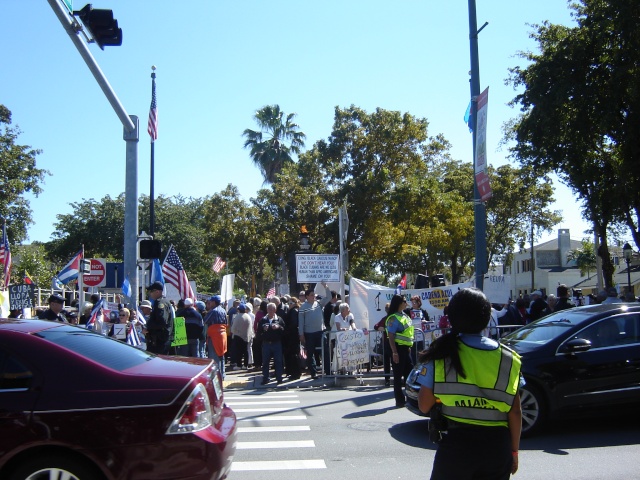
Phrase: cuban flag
{"type": "Point", "coordinates": [401, 285]}
{"type": "Point", "coordinates": [126, 288]}
{"type": "Point", "coordinates": [97, 316]}
{"type": "Point", "coordinates": [133, 338]}
{"type": "Point", "coordinates": [70, 270]}
{"type": "Point", "coordinates": [140, 317]}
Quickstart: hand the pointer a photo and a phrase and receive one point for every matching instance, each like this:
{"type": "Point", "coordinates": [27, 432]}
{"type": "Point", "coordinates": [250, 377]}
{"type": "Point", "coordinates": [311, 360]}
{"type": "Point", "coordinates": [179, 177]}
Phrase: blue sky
{"type": "Point", "coordinates": [217, 62]}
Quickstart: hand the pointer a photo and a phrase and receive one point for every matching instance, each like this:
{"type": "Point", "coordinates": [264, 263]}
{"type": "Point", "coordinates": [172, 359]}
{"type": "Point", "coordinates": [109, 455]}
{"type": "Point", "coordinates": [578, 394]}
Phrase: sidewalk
{"type": "Point", "coordinates": [251, 379]}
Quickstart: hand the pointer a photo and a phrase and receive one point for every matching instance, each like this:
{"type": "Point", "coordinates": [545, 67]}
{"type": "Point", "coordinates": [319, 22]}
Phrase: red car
{"type": "Point", "coordinates": [77, 405]}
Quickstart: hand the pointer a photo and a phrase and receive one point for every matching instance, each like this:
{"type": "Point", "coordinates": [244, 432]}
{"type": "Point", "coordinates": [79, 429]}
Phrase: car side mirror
{"type": "Point", "coordinates": [576, 345]}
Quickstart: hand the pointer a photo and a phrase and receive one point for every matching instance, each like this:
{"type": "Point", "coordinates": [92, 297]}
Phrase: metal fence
{"type": "Point", "coordinates": [378, 349]}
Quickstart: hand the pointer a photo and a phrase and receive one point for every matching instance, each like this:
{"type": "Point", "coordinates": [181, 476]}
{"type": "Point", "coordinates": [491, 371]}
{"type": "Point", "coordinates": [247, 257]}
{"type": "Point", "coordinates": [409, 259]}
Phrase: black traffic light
{"type": "Point", "coordinates": [150, 249]}
{"type": "Point", "coordinates": [102, 26]}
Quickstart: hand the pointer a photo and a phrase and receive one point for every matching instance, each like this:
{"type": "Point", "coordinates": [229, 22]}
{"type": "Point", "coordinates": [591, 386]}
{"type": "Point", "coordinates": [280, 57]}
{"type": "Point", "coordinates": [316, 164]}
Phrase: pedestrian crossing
{"type": "Point", "coordinates": [260, 415]}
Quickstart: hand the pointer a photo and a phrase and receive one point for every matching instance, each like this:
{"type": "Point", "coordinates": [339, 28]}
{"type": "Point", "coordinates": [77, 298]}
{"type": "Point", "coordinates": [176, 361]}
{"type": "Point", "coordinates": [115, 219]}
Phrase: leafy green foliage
{"type": "Point", "coordinates": [18, 175]}
{"type": "Point", "coordinates": [580, 112]}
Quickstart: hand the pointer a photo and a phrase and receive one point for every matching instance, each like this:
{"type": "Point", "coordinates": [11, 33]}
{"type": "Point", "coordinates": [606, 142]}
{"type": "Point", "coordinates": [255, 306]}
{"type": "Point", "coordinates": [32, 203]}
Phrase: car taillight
{"type": "Point", "coordinates": [194, 415]}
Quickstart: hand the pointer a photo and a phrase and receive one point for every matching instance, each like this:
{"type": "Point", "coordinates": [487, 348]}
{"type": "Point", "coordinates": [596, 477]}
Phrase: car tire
{"type": "Point", "coordinates": [534, 409]}
{"type": "Point", "coordinates": [55, 466]}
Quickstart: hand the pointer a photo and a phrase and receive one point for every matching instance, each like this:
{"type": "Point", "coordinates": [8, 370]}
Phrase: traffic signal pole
{"type": "Point", "coordinates": [131, 137]}
{"type": "Point", "coordinates": [480, 215]}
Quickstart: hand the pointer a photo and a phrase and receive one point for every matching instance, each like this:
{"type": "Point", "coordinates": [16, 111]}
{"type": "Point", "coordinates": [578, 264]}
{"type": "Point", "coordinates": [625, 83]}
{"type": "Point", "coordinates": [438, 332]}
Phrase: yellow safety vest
{"type": "Point", "coordinates": [487, 394]}
{"type": "Point", "coordinates": [406, 336]}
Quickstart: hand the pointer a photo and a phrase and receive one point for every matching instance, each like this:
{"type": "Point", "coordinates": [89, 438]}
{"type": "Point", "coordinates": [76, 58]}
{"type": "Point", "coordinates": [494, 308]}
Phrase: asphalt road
{"type": "Point", "coordinates": [356, 432]}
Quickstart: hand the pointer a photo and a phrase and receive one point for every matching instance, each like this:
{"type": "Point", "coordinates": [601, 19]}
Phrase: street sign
{"type": "Point", "coordinates": [97, 276]}
{"type": "Point", "coordinates": [69, 5]}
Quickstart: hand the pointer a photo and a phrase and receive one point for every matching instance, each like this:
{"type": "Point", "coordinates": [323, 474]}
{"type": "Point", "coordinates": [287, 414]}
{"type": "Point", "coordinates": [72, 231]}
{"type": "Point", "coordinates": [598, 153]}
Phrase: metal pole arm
{"type": "Point", "coordinates": [82, 47]}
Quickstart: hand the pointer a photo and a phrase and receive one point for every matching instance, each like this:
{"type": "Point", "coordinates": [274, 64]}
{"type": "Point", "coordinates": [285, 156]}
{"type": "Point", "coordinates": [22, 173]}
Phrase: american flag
{"type": "Point", "coordinates": [174, 274]}
{"type": "Point", "coordinates": [5, 256]}
{"type": "Point", "coordinates": [218, 265]}
{"type": "Point", "coordinates": [152, 126]}
{"type": "Point", "coordinates": [271, 292]}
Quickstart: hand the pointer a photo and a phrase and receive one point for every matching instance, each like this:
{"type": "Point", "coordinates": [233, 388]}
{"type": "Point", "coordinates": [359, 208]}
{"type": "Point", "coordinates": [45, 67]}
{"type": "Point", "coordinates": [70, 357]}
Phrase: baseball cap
{"type": "Point", "coordinates": [55, 298]}
{"type": "Point", "coordinates": [201, 306]}
{"type": "Point", "coordinates": [536, 292]}
{"type": "Point", "coordinates": [155, 286]}
{"type": "Point", "coordinates": [242, 307]}
{"type": "Point", "coordinates": [215, 298]}
{"type": "Point", "coordinates": [188, 302]}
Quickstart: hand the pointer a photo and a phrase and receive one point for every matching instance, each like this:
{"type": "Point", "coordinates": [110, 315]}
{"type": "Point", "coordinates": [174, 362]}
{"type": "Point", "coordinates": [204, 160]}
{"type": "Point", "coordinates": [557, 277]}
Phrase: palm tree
{"type": "Point", "coordinates": [267, 145]}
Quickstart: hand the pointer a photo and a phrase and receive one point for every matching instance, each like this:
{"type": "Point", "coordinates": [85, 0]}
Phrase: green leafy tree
{"type": "Point", "coordinates": [18, 176]}
{"type": "Point", "coordinates": [274, 144]}
{"type": "Point", "coordinates": [585, 257]}
{"type": "Point", "coordinates": [32, 259]}
{"type": "Point", "coordinates": [98, 225]}
{"type": "Point", "coordinates": [580, 112]}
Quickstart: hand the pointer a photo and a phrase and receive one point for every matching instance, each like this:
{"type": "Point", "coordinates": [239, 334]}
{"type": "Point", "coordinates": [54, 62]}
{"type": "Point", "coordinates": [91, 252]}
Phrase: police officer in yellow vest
{"type": "Point", "coordinates": [400, 335]}
{"type": "Point", "coordinates": [476, 381]}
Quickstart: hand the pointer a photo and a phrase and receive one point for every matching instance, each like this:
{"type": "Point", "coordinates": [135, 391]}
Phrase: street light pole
{"type": "Point", "coordinates": [627, 252]}
{"type": "Point", "coordinates": [480, 217]}
{"type": "Point", "coordinates": [130, 125]}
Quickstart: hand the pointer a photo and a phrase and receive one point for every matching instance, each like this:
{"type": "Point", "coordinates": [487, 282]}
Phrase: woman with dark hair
{"type": "Point", "coordinates": [400, 334]}
{"type": "Point", "coordinates": [475, 381]}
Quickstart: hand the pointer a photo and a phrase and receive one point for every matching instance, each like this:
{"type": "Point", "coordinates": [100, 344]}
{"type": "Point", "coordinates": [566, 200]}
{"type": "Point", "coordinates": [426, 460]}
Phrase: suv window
{"type": "Point", "coordinates": [14, 375]}
{"type": "Point", "coordinates": [105, 351]}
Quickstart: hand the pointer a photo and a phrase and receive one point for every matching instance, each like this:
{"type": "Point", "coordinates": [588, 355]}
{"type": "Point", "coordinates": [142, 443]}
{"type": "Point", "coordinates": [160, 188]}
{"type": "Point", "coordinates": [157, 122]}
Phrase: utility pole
{"type": "Point", "coordinates": [131, 136]}
{"type": "Point", "coordinates": [480, 216]}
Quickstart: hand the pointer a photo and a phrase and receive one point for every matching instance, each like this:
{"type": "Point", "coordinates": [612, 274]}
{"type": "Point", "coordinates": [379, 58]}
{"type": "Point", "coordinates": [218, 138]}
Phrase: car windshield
{"type": "Point", "coordinates": [105, 351]}
{"type": "Point", "coordinates": [544, 330]}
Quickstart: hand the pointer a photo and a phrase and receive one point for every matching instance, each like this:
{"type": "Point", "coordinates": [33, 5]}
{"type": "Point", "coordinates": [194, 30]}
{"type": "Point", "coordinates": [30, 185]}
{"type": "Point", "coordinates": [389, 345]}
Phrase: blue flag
{"type": "Point", "coordinates": [126, 288]}
{"type": "Point", "coordinates": [468, 118]}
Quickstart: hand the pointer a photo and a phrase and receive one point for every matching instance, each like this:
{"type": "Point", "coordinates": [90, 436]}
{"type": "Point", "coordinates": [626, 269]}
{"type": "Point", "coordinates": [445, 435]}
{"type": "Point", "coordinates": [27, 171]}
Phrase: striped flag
{"type": "Point", "coordinates": [218, 264]}
{"type": "Point", "coordinates": [174, 274]}
{"type": "Point", "coordinates": [5, 256]}
{"type": "Point", "coordinates": [132, 337]}
{"type": "Point", "coordinates": [140, 317]}
{"type": "Point", "coordinates": [97, 316]}
{"type": "Point", "coordinates": [70, 270]}
{"type": "Point", "coordinates": [271, 292]}
{"type": "Point", "coordinates": [27, 278]}
{"type": "Point", "coordinates": [152, 126]}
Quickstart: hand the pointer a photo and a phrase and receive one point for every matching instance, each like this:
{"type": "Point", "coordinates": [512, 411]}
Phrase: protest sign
{"type": "Point", "coordinates": [21, 296]}
{"type": "Point", "coordinates": [180, 332]}
{"type": "Point", "coordinates": [352, 348]}
{"type": "Point", "coordinates": [317, 268]}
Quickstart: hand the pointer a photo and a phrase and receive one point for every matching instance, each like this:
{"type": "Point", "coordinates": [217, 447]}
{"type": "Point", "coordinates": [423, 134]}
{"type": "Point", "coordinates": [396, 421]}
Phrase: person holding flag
{"type": "Point", "coordinates": [96, 319]}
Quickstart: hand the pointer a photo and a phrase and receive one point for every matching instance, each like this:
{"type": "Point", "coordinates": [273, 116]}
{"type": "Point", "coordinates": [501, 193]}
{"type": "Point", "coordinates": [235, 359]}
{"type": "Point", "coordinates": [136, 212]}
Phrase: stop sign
{"type": "Point", "coordinates": [97, 275]}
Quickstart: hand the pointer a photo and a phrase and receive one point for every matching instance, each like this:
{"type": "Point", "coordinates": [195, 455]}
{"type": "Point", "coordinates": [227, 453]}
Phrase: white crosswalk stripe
{"type": "Point", "coordinates": [266, 418]}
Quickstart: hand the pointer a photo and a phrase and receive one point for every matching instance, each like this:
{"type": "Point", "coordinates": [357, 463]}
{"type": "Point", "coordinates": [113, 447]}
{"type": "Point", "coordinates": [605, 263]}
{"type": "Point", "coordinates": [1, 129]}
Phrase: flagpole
{"type": "Point", "coordinates": [153, 133]}
{"type": "Point", "coordinates": [81, 278]}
